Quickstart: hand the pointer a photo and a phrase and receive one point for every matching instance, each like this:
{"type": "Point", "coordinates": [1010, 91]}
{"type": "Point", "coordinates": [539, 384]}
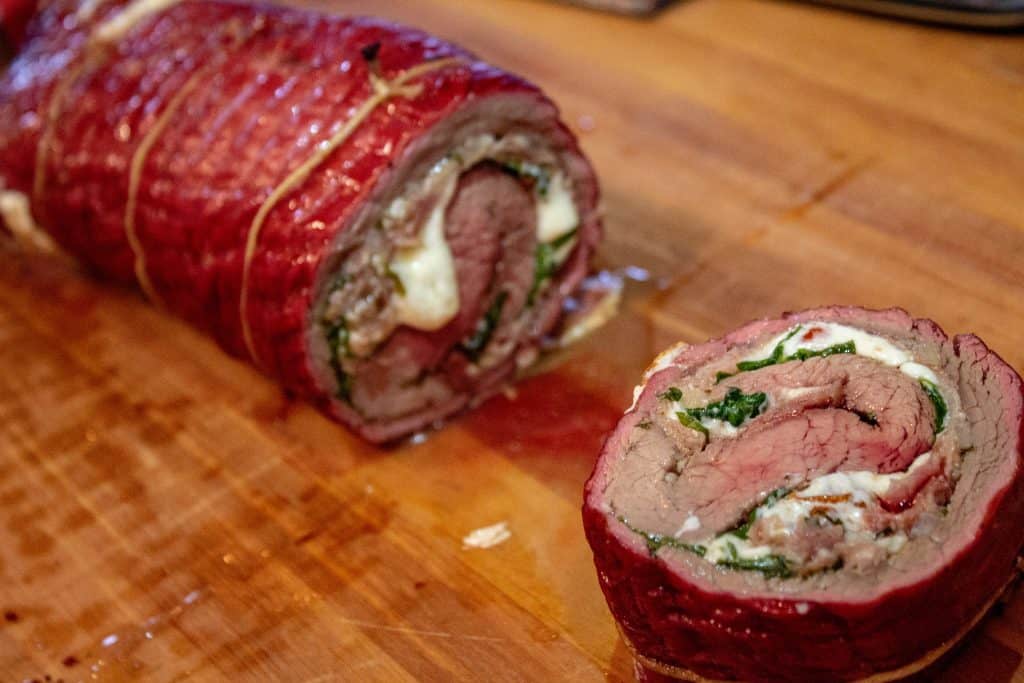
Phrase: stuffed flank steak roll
{"type": "Point", "coordinates": [372, 216]}
{"type": "Point", "coordinates": [834, 495]}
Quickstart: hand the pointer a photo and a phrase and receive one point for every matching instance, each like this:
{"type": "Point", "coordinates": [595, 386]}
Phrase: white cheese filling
{"type": "Point", "coordinates": [663, 360]}
{"type": "Point", "coordinates": [845, 495]}
{"type": "Point", "coordinates": [556, 211]}
{"type": "Point", "coordinates": [842, 496]}
{"type": "Point", "coordinates": [720, 429]}
{"type": "Point", "coordinates": [826, 335]}
{"type": "Point", "coordinates": [866, 344]}
{"type": "Point", "coordinates": [427, 272]}
{"type": "Point", "coordinates": [692, 523]}
{"type": "Point", "coordinates": [728, 546]}
{"type": "Point", "coordinates": [830, 334]}
{"type": "Point", "coordinates": [430, 296]}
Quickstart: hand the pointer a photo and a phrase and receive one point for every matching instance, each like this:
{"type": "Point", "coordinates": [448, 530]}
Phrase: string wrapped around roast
{"type": "Point", "coordinates": [372, 216]}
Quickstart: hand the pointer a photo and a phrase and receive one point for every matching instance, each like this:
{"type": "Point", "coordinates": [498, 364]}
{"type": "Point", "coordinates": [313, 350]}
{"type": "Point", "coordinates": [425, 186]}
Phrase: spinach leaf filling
{"type": "Point", "coordinates": [672, 394]}
{"type": "Point", "coordinates": [773, 359]}
{"type": "Point", "coordinates": [778, 356]}
{"type": "Point", "coordinates": [656, 542]}
{"type": "Point", "coordinates": [336, 335]}
{"type": "Point", "coordinates": [536, 177]}
{"type": "Point", "coordinates": [476, 344]}
{"type": "Point", "coordinates": [844, 347]}
{"type": "Point", "coordinates": [743, 530]}
{"type": "Point", "coordinates": [691, 422]}
{"type": "Point", "coordinates": [771, 566]}
{"type": "Point", "coordinates": [735, 408]}
{"type": "Point", "coordinates": [545, 264]}
{"type": "Point", "coordinates": [337, 342]}
{"type": "Point", "coordinates": [939, 403]}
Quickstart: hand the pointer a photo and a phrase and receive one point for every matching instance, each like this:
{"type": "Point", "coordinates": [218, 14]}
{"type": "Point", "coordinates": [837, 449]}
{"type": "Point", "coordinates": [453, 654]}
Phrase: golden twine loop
{"type": "Point", "coordinates": [383, 90]}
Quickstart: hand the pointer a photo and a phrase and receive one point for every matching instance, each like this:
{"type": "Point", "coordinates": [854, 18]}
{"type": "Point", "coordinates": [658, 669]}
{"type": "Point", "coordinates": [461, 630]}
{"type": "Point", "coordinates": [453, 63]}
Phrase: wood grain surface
{"type": "Point", "coordinates": [167, 514]}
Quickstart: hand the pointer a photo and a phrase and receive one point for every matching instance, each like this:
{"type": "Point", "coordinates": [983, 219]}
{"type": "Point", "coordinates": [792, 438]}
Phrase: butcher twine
{"type": "Point", "coordinates": [14, 206]}
{"type": "Point", "coordinates": [135, 176]}
{"type": "Point", "coordinates": [383, 90]}
{"type": "Point", "coordinates": [139, 162]}
{"type": "Point", "coordinates": [96, 53]}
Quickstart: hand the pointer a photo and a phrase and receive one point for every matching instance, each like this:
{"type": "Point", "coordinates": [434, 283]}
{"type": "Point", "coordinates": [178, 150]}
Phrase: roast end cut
{"type": "Point", "coordinates": [834, 495]}
{"type": "Point", "coordinates": [374, 217]}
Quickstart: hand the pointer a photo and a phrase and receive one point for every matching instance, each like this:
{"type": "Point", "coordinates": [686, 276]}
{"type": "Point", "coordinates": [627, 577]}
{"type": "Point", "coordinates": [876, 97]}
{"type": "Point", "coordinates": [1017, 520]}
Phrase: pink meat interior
{"type": "Point", "coordinates": [841, 413]}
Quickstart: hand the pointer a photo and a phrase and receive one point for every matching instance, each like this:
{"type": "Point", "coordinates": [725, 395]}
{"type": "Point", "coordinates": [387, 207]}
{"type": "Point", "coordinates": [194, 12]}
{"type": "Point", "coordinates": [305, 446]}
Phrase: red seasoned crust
{"type": "Point", "coordinates": [14, 15]}
{"type": "Point", "coordinates": [250, 91]}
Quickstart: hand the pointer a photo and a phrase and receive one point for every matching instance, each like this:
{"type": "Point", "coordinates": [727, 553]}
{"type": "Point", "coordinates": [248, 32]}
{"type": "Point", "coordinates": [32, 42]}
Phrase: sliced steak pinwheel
{"type": "Point", "coordinates": [371, 215]}
{"type": "Point", "coordinates": [835, 495]}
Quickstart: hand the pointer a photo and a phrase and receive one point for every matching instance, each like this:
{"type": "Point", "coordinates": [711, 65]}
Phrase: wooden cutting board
{"type": "Point", "coordinates": [166, 513]}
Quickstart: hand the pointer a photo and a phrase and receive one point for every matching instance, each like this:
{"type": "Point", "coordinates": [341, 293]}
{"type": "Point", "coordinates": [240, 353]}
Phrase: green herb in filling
{"type": "Point", "coordinates": [777, 356]}
{"type": "Point", "coordinates": [536, 176]}
{"type": "Point", "coordinates": [545, 265]}
{"type": "Point", "coordinates": [691, 422]}
{"type": "Point", "coordinates": [771, 499]}
{"type": "Point", "coordinates": [337, 342]}
{"type": "Point", "coordinates": [771, 566]}
{"type": "Point", "coordinates": [544, 268]}
{"type": "Point", "coordinates": [775, 496]}
{"type": "Point", "coordinates": [735, 408]}
{"type": "Point", "coordinates": [773, 359]}
{"type": "Point", "coordinates": [804, 354]}
{"type": "Point", "coordinates": [656, 542]}
{"type": "Point", "coordinates": [475, 345]}
{"type": "Point", "coordinates": [938, 403]}
{"type": "Point", "coordinates": [671, 394]}
{"type": "Point", "coordinates": [743, 530]}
